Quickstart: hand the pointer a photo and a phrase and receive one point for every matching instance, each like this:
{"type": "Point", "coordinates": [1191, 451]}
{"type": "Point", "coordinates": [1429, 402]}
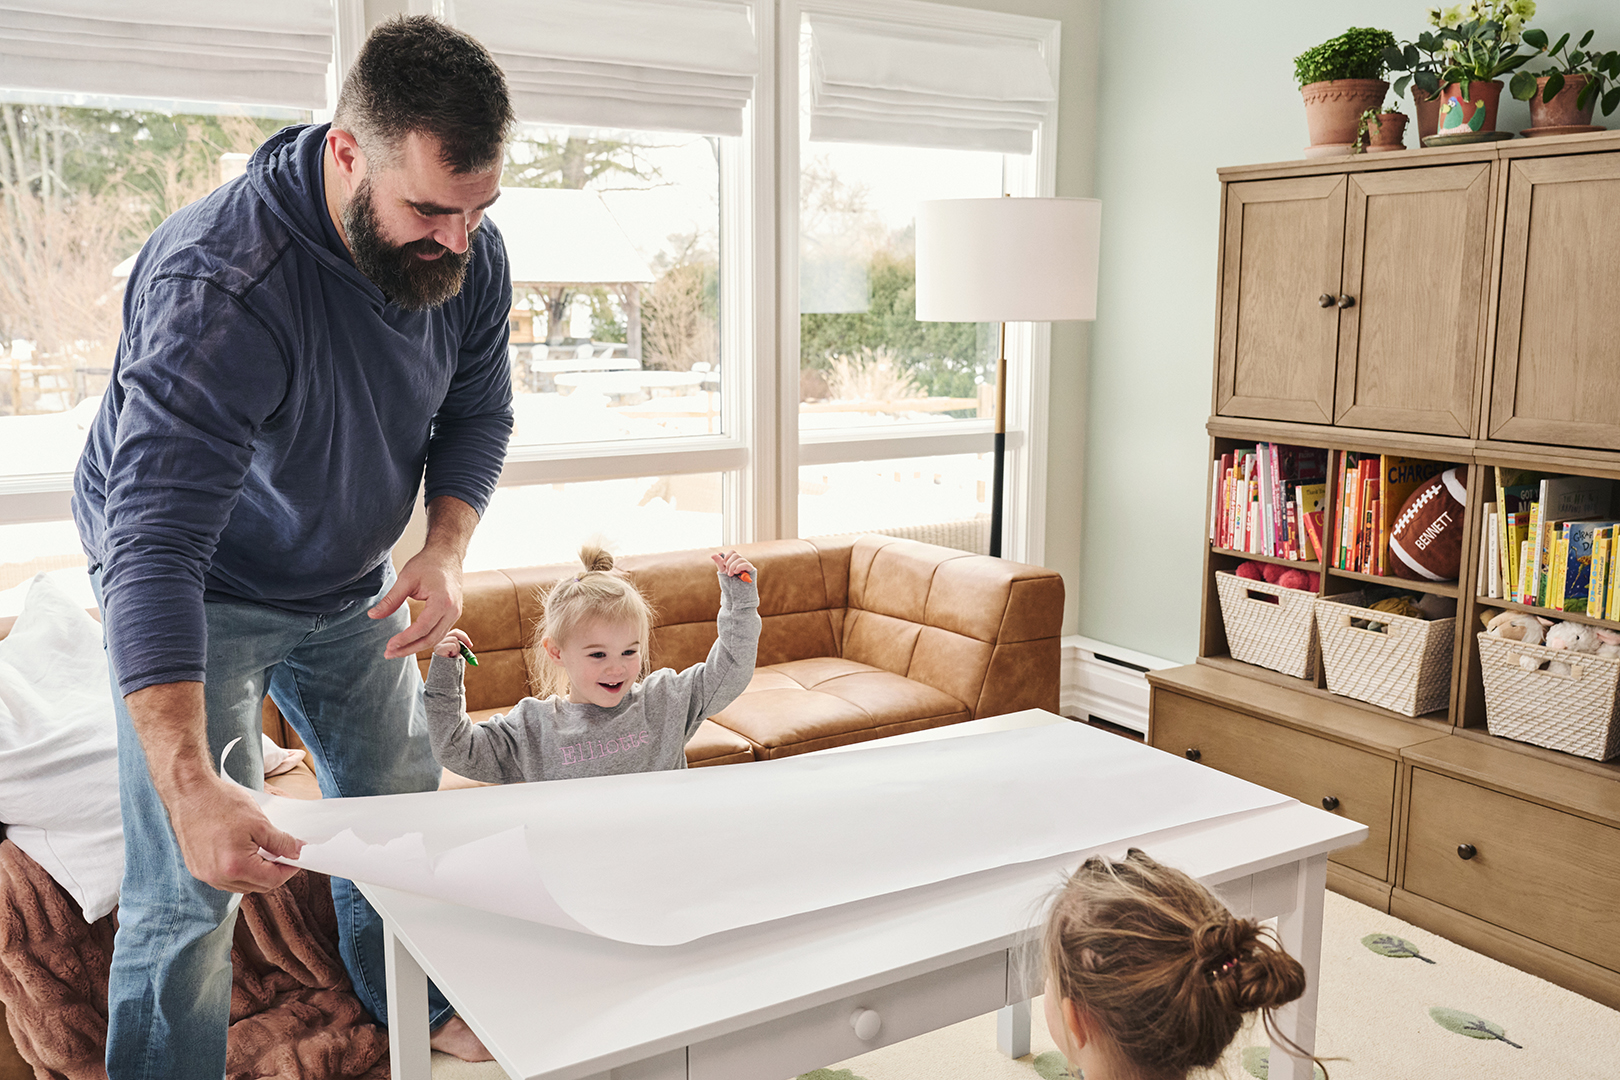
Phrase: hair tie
{"type": "Point", "coordinates": [1230, 963]}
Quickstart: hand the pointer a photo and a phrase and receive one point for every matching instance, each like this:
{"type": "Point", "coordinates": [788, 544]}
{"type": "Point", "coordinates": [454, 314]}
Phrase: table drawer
{"type": "Point", "coordinates": [824, 1034]}
{"type": "Point", "coordinates": [1542, 873]}
{"type": "Point", "coordinates": [1303, 766]}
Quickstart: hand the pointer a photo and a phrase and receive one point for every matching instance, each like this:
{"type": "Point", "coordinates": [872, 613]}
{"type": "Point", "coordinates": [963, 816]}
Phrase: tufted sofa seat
{"type": "Point", "coordinates": [862, 637]}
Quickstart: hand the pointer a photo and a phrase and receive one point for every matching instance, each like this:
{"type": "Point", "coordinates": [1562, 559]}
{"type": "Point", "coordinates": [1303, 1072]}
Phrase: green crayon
{"type": "Point", "coordinates": [467, 655]}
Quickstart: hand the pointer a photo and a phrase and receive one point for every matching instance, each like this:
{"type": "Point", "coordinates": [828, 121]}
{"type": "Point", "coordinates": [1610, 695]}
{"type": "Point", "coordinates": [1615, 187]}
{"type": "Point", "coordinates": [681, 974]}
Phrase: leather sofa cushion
{"type": "Point", "coordinates": [805, 705]}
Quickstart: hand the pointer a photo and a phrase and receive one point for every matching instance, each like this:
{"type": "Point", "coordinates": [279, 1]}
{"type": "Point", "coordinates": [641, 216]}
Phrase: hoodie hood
{"type": "Point", "coordinates": [287, 172]}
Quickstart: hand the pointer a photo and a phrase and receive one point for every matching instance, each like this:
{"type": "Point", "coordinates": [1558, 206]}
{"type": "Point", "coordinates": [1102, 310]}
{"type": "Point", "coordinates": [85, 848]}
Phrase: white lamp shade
{"type": "Point", "coordinates": [1007, 260]}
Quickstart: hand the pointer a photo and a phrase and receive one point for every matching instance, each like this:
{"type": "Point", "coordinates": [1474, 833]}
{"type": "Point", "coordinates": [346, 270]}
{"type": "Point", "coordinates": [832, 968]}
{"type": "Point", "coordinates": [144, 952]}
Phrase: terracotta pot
{"type": "Point", "coordinates": [1428, 113]}
{"type": "Point", "coordinates": [1333, 109]}
{"type": "Point", "coordinates": [1387, 134]}
{"type": "Point", "coordinates": [1482, 98]}
{"type": "Point", "coordinates": [1561, 110]}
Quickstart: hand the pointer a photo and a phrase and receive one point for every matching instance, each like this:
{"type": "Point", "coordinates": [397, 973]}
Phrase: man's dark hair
{"type": "Point", "coordinates": [416, 74]}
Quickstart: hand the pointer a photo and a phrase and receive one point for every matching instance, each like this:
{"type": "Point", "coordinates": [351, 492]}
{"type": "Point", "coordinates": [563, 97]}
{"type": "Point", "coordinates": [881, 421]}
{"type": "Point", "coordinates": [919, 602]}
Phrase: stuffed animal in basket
{"type": "Point", "coordinates": [1519, 626]}
{"type": "Point", "coordinates": [1278, 574]}
{"type": "Point", "coordinates": [1580, 638]}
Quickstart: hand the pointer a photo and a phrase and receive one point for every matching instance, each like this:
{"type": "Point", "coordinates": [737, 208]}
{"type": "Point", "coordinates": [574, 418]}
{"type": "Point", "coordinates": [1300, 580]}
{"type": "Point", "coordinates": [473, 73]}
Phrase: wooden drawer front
{"type": "Point", "coordinates": [823, 1034]}
{"type": "Point", "coordinates": [1282, 759]}
{"type": "Point", "coordinates": [1551, 876]}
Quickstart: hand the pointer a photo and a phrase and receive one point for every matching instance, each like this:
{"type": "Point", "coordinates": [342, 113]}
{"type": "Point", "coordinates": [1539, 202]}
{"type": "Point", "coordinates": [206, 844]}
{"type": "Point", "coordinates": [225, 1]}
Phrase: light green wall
{"type": "Point", "coordinates": [1186, 87]}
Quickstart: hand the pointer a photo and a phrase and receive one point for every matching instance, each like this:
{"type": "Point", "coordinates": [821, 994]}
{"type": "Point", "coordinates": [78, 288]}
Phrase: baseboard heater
{"type": "Point", "coordinates": [1107, 682]}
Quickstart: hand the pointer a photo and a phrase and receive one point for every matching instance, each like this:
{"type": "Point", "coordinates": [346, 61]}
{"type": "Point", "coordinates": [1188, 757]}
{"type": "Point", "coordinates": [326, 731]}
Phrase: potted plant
{"type": "Point", "coordinates": [1563, 96]}
{"type": "Point", "coordinates": [1480, 44]}
{"type": "Point", "coordinates": [1339, 80]}
{"type": "Point", "coordinates": [1380, 131]}
{"type": "Point", "coordinates": [1422, 60]}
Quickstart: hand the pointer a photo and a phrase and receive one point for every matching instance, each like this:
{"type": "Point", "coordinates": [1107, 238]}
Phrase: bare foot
{"type": "Point", "coordinates": [455, 1038]}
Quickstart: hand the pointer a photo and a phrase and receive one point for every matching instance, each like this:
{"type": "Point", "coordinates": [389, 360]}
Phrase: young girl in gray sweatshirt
{"type": "Point", "coordinates": [605, 713]}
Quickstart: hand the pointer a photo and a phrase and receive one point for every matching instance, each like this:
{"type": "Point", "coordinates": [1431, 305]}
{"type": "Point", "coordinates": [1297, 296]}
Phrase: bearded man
{"type": "Point", "coordinates": [300, 350]}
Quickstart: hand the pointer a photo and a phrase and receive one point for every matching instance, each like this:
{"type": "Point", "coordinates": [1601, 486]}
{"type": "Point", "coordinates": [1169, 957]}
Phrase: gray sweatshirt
{"type": "Point", "coordinates": [556, 739]}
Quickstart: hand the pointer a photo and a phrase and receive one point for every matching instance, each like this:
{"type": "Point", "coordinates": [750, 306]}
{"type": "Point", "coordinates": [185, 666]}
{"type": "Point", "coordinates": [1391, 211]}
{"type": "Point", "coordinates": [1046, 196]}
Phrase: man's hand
{"type": "Point", "coordinates": [433, 575]}
{"type": "Point", "coordinates": [218, 825]}
{"type": "Point", "coordinates": [221, 829]}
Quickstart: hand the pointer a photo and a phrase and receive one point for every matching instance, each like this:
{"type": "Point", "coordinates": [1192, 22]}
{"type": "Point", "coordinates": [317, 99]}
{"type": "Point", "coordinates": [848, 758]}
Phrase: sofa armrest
{"type": "Point", "coordinates": [986, 631]}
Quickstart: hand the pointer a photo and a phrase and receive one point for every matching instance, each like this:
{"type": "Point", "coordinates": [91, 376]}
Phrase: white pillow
{"type": "Point", "coordinates": [59, 748]}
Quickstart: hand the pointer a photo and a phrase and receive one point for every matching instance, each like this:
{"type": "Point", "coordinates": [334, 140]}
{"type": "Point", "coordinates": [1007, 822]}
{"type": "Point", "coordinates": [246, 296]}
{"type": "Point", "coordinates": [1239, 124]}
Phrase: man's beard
{"type": "Point", "coordinates": [413, 283]}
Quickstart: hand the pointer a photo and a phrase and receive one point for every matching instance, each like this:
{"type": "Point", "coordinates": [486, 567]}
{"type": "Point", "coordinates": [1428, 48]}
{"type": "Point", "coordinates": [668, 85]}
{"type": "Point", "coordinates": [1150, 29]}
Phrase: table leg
{"type": "Point", "coordinates": [1300, 930]}
{"type": "Point", "coordinates": [408, 1050]}
{"type": "Point", "coordinates": [1012, 1029]}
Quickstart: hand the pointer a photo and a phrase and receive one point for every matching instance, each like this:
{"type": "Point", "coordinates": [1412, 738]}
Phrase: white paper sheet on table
{"type": "Point", "coordinates": [664, 858]}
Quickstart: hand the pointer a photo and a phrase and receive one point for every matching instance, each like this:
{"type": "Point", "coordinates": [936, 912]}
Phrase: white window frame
{"type": "Point", "coordinates": [1028, 344]}
{"type": "Point", "coordinates": [761, 448]}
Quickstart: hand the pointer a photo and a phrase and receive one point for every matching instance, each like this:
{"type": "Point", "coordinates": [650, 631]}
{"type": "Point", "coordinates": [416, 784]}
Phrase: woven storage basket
{"type": "Point", "coordinates": [1405, 668]}
{"type": "Point", "coordinates": [1279, 635]}
{"type": "Point", "coordinates": [1574, 713]}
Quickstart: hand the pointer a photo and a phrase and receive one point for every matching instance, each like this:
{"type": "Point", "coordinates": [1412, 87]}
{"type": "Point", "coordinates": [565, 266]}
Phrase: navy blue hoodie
{"type": "Point", "coordinates": [271, 415]}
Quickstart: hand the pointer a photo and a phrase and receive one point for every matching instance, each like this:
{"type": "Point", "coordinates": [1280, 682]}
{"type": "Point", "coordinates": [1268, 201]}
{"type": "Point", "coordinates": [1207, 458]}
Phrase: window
{"type": "Point", "coordinates": [87, 180]}
{"type": "Point", "coordinates": [712, 327]}
{"type": "Point", "coordinates": [613, 238]}
{"type": "Point", "coordinates": [902, 103]}
{"type": "Point", "coordinates": [540, 524]}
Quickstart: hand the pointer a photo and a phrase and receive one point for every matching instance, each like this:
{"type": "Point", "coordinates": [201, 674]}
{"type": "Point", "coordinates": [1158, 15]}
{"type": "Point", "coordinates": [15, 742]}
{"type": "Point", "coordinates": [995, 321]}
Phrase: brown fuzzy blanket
{"type": "Point", "coordinates": [293, 1013]}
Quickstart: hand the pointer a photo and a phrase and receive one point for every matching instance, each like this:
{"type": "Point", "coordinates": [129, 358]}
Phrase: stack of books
{"type": "Point", "coordinates": [1268, 501]}
{"type": "Point", "coordinates": [1372, 490]}
{"type": "Point", "coordinates": [1550, 542]}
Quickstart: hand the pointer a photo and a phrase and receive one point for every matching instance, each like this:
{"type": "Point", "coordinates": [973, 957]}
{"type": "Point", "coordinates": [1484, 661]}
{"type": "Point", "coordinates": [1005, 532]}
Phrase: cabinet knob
{"type": "Point", "coordinates": [1325, 300]}
{"type": "Point", "coordinates": [1193, 753]}
{"type": "Point", "coordinates": [1466, 851]}
{"type": "Point", "coordinates": [1346, 301]}
{"type": "Point", "coordinates": [1330, 802]}
{"type": "Point", "coordinates": [867, 1023]}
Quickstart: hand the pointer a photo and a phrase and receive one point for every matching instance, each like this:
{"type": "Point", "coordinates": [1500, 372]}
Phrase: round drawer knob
{"type": "Point", "coordinates": [1466, 851]}
{"type": "Point", "coordinates": [1346, 301]}
{"type": "Point", "coordinates": [1193, 753]}
{"type": "Point", "coordinates": [867, 1023]}
{"type": "Point", "coordinates": [1325, 300]}
{"type": "Point", "coordinates": [1330, 802]}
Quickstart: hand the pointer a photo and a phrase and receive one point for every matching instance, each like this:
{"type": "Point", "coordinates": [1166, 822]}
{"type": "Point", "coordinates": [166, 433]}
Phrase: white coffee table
{"type": "Point", "coordinates": [779, 999]}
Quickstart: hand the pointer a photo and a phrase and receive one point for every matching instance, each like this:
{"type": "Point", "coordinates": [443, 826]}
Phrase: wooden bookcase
{"type": "Point", "coordinates": [1412, 304]}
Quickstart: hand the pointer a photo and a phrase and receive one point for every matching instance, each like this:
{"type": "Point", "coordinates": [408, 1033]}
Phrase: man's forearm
{"type": "Point", "coordinates": [450, 525]}
{"type": "Point", "coordinates": [172, 722]}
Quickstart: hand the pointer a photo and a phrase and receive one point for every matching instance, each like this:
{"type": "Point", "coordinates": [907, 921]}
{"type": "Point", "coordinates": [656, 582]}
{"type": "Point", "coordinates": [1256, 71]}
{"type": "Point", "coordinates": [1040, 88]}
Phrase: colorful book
{"type": "Point", "coordinates": [1524, 565]}
{"type": "Point", "coordinates": [1490, 556]}
{"type": "Point", "coordinates": [1576, 551]}
{"type": "Point", "coordinates": [1565, 498]}
{"type": "Point", "coordinates": [1555, 578]}
{"type": "Point", "coordinates": [1516, 490]}
{"type": "Point", "coordinates": [1597, 587]}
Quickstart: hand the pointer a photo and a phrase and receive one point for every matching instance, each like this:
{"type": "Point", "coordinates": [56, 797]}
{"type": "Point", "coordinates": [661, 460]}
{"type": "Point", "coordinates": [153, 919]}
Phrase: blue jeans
{"type": "Point", "coordinates": [361, 717]}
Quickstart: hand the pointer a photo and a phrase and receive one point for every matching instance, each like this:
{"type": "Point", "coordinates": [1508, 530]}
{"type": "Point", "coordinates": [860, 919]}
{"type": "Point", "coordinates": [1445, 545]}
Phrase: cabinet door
{"type": "Point", "coordinates": [1416, 244]}
{"type": "Point", "coordinates": [1283, 249]}
{"type": "Point", "coordinates": [1557, 366]}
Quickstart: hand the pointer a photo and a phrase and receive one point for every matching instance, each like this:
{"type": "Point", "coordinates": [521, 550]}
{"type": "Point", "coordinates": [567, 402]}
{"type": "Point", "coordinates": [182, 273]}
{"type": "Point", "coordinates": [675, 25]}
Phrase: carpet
{"type": "Point", "coordinates": [1397, 1003]}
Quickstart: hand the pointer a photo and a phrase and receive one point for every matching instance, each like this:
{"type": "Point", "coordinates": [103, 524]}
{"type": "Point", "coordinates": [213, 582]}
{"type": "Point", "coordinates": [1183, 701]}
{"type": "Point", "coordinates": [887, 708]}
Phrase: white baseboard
{"type": "Point", "coordinates": [1107, 682]}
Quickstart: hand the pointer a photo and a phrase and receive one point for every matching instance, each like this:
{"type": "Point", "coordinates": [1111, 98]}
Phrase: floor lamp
{"type": "Point", "coordinates": [1006, 260]}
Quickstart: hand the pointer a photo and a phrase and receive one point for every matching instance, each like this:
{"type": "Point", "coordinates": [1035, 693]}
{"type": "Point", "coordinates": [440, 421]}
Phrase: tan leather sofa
{"type": "Point", "coordinates": [862, 637]}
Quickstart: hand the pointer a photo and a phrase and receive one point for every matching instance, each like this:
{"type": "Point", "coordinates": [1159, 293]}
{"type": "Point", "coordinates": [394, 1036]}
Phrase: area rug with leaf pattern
{"type": "Point", "coordinates": [1397, 1003]}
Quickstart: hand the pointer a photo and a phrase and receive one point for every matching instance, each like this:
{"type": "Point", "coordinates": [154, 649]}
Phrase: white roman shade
{"type": "Point", "coordinates": [657, 65]}
{"type": "Point", "coordinates": [912, 85]}
{"type": "Point", "coordinates": [195, 50]}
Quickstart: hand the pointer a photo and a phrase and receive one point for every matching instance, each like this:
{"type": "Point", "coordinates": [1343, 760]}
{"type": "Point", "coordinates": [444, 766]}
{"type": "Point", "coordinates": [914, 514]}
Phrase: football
{"type": "Point", "coordinates": [1426, 541]}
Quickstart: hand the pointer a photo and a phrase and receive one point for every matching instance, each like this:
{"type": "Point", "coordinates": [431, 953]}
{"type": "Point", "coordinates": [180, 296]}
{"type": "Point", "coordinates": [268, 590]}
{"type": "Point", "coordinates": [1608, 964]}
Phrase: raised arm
{"type": "Point", "coordinates": [501, 750]}
{"type": "Point", "coordinates": [724, 675]}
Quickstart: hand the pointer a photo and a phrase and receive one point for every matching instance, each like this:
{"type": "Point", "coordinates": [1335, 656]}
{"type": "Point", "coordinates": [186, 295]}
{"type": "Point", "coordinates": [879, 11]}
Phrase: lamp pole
{"type": "Point", "coordinates": [1000, 445]}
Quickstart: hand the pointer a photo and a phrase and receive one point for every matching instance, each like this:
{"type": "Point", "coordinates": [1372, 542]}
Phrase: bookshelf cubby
{"type": "Point", "coordinates": [1396, 373]}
